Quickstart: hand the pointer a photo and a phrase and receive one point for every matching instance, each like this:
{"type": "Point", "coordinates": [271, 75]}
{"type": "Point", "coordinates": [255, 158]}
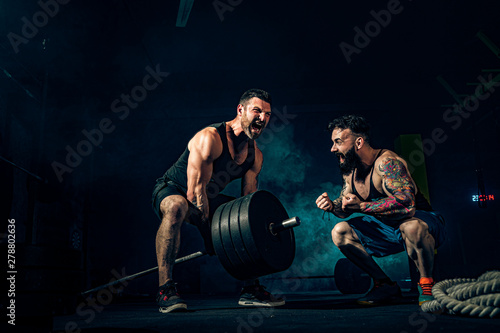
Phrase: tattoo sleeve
{"type": "Point", "coordinates": [337, 204]}
{"type": "Point", "coordinates": [398, 183]}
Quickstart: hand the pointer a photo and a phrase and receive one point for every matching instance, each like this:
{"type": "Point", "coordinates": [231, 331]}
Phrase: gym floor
{"type": "Point", "coordinates": [303, 312]}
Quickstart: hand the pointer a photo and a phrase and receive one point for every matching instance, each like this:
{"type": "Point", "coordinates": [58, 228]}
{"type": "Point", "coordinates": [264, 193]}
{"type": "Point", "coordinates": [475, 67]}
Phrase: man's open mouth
{"type": "Point", "coordinates": [341, 157]}
{"type": "Point", "coordinates": [257, 127]}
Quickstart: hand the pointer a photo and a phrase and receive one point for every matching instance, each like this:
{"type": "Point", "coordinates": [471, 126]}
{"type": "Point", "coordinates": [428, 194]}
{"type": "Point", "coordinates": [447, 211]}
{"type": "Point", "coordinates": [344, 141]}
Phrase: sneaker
{"type": "Point", "coordinates": [257, 295]}
{"type": "Point", "coordinates": [425, 291]}
{"type": "Point", "coordinates": [168, 299]}
{"type": "Point", "coordinates": [381, 293]}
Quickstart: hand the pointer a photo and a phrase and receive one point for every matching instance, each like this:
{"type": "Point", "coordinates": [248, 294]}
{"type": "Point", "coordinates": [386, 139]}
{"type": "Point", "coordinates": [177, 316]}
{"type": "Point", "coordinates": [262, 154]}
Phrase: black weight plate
{"type": "Point", "coordinates": [350, 279]}
{"type": "Point", "coordinates": [225, 231]}
{"type": "Point", "coordinates": [229, 226]}
{"type": "Point", "coordinates": [216, 236]}
{"type": "Point", "coordinates": [247, 263]}
{"type": "Point", "coordinates": [220, 225]}
{"type": "Point", "coordinates": [223, 243]}
{"type": "Point", "coordinates": [271, 253]}
{"type": "Point", "coordinates": [242, 240]}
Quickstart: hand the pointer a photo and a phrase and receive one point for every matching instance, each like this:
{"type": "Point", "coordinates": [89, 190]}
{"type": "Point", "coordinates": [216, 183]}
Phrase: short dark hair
{"type": "Point", "coordinates": [358, 125]}
{"type": "Point", "coordinates": [251, 93]}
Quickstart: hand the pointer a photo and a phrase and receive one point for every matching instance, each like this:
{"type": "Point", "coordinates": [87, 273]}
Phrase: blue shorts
{"type": "Point", "coordinates": [381, 239]}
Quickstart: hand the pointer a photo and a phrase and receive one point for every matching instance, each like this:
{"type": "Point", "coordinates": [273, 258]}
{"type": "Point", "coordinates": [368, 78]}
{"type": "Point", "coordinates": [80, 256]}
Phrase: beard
{"type": "Point", "coordinates": [351, 162]}
{"type": "Point", "coordinates": [253, 129]}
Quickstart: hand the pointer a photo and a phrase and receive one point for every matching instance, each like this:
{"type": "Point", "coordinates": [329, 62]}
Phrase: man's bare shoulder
{"type": "Point", "coordinates": [388, 157]}
{"type": "Point", "coordinates": [207, 140]}
{"type": "Point", "coordinates": [206, 135]}
{"type": "Point", "coordinates": [209, 133]}
{"type": "Point", "coordinates": [386, 153]}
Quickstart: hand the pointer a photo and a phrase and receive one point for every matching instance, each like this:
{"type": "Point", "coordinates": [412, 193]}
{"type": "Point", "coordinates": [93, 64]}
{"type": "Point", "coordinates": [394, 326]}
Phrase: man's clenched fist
{"type": "Point", "coordinates": [323, 202]}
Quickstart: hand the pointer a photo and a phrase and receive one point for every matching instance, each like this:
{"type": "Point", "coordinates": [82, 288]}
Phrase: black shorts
{"type": "Point", "coordinates": [165, 188]}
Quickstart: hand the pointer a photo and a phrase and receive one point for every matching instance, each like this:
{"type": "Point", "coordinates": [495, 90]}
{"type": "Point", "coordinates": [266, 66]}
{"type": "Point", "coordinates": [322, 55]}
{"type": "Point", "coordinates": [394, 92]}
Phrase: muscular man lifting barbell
{"type": "Point", "coordinates": [189, 191]}
{"type": "Point", "coordinates": [397, 216]}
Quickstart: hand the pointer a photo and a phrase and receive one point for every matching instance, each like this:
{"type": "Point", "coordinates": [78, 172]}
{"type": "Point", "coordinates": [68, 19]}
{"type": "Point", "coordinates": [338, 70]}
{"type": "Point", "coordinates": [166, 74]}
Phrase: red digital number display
{"type": "Point", "coordinates": [483, 197]}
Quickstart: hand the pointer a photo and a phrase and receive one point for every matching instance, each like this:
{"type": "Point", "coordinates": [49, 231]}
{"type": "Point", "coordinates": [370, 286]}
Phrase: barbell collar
{"type": "Point", "coordinates": [292, 222]}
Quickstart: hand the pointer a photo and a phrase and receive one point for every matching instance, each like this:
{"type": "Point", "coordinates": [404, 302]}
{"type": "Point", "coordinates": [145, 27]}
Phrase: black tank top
{"type": "Point", "coordinates": [225, 168]}
{"type": "Point", "coordinates": [374, 194]}
{"type": "Point", "coordinates": [421, 202]}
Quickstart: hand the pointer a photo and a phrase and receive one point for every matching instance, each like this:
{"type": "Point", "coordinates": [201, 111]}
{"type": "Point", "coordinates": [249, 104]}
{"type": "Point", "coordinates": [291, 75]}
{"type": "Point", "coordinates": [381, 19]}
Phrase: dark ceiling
{"type": "Point", "coordinates": [98, 49]}
{"type": "Point", "coordinates": [64, 76]}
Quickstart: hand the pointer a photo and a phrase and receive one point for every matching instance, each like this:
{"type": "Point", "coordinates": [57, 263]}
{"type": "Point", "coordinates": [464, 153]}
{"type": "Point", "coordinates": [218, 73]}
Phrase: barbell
{"type": "Point", "coordinates": [349, 278]}
{"type": "Point", "coordinates": [252, 236]}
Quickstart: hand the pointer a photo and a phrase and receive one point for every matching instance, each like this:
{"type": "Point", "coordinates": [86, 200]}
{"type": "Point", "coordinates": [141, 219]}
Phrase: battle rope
{"type": "Point", "coordinates": [471, 297]}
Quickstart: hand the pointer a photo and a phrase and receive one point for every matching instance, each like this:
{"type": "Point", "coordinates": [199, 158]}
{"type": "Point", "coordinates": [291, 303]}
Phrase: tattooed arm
{"type": "Point", "coordinates": [399, 188]}
{"type": "Point", "coordinates": [323, 202]}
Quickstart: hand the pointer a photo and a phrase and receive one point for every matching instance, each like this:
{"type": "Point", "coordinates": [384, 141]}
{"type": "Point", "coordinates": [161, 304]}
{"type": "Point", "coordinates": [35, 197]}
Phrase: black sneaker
{"type": "Point", "coordinates": [381, 293]}
{"type": "Point", "coordinates": [168, 299]}
{"type": "Point", "coordinates": [257, 295]}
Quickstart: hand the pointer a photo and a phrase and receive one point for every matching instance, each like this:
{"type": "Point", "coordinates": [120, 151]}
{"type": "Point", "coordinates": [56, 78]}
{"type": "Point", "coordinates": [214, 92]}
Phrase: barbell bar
{"type": "Point", "coordinates": [348, 278]}
{"type": "Point", "coordinates": [247, 238]}
{"type": "Point", "coordinates": [145, 272]}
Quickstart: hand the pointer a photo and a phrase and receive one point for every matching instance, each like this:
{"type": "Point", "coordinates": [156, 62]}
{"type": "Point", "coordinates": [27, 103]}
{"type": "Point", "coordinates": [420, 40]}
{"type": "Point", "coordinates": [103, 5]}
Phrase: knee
{"type": "Point", "coordinates": [340, 233]}
{"type": "Point", "coordinates": [414, 230]}
{"type": "Point", "coordinates": [174, 210]}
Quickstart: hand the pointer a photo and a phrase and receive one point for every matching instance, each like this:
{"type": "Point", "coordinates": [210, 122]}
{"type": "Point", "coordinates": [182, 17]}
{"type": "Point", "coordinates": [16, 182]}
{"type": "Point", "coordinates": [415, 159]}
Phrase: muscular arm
{"type": "Point", "coordinates": [249, 182]}
{"type": "Point", "coordinates": [399, 188]}
{"type": "Point", "coordinates": [337, 203]}
{"type": "Point", "coordinates": [204, 148]}
{"type": "Point", "coordinates": [323, 202]}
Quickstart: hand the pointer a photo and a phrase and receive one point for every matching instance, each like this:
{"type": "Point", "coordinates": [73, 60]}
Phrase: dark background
{"type": "Point", "coordinates": [64, 79]}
